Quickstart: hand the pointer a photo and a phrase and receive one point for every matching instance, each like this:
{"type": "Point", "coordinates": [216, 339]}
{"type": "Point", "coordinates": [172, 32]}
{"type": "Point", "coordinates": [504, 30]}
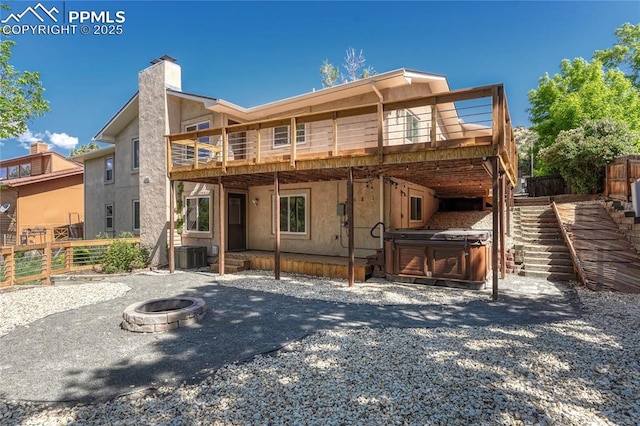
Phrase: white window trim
{"type": "Point", "coordinates": [106, 228]}
{"type": "Point", "coordinates": [184, 215]}
{"type": "Point", "coordinates": [288, 144]}
{"type": "Point", "coordinates": [113, 167]}
{"type": "Point", "coordinates": [408, 118]}
{"type": "Point", "coordinates": [196, 124]}
{"type": "Point", "coordinates": [306, 214]}
{"type": "Point", "coordinates": [133, 214]}
{"type": "Point", "coordinates": [133, 154]}
{"type": "Point", "coordinates": [421, 208]}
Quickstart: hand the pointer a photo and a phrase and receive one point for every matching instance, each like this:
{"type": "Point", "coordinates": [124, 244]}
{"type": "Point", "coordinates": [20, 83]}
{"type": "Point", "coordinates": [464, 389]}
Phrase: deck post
{"type": "Point", "coordinates": [494, 243]}
{"type": "Point", "coordinates": [334, 135]}
{"type": "Point", "coordinates": [258, 145]}
{"type": "Point", "coordinates": [221, 223]}
{"type": "Point", "coordinates": [350, 218]}
{"type": "Point", "coordinates": [381, 212]}
{"type": "Point", "coordinates": [293, 137]}
{"type": "Point", "coordinates": [433, 135]}
{"type": "Point", "coordinates": [509, 200]}
{"type": "Point", "coordinates": [503, 266]}
{"type": "Point", "coordinates": [380, 132]}
{"type": "Point", "coordinates": [172, 226]}
{"type": "Point", "coordinates": [276, 222]}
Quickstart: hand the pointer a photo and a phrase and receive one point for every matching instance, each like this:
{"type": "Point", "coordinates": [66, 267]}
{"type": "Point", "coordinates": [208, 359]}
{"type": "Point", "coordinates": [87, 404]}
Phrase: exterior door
{"type": "Point", "coordinates": [236, 222]}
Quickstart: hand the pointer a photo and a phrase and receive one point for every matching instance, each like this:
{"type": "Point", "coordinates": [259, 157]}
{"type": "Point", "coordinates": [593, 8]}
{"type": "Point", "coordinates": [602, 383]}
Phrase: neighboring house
{"type": "Point", "coordinates": [41, 197]}
{"type": "Point", "coordinates": [406, 138]}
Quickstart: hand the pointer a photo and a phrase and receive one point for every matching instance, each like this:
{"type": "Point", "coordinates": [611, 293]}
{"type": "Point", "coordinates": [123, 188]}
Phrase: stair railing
{"type": "Point", "coordinates": [577, 265]}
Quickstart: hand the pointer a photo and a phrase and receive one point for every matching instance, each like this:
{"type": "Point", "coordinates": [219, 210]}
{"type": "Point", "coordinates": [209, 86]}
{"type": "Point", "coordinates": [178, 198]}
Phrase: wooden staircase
{"type": "Point", "coordinates": [231, 264]}
{"type": "Point", "coordinates": [545, 254]}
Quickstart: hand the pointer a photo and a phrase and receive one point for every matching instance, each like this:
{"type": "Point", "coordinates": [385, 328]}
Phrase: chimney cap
{"type": "Point", "coordinates": [168, 58]}
{"type": "Point", "coordinates": [155, 61]}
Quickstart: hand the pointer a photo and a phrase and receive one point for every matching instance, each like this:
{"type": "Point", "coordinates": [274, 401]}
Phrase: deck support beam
{"type": "Point", "coordinates": [172, 226]}
{"type": "Point", "coordinates": [221, 215]}
{"type": "Point", "coordinates": [494, 243]}
{"type": "Point", "coordinates": [276, 222]}
{"type": "Point", "coordinates": [503, 257]}
{"type": "Point", "coordinates": [350, 228]}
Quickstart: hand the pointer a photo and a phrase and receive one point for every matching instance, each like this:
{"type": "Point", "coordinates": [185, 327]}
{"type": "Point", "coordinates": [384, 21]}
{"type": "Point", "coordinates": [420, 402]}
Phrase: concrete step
{"type": "Point", "coordinates": [538, 248]}
{"type": "Point", "coordinates": [549, 276]}
{"type": "Point", "coordinates": [559, 259]}
{"type": "Point", "coordinates": [542, 241]}
{"type": "Point", "coordinates": [228, 269]}
{"type": "Point", "coordinates": [541, 256]}
{"type": "Point", "coordinates": [548, 268]}
{"type": "Point", "coordinates": [542, 231]}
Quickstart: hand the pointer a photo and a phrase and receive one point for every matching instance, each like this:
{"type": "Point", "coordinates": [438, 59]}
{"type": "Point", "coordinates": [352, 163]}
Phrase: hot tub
{"type": "Point", "coordinates": [439, 256]}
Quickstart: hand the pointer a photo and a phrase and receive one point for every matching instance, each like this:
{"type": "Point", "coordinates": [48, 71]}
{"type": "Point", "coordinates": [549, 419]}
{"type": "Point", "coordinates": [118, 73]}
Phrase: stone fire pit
{"type": "Point", "coordinates": [163, 314]}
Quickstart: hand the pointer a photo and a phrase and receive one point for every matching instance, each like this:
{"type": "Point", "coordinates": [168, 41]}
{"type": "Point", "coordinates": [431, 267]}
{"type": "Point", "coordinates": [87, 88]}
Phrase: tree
{"type": "Point", "coordinates": [353, 65]}
{"type": "Point", "coordinates": [581, 91]}
{"type": "Point", "coordinates": [20, 95]}
{"type": "Point", "coordinates": [581, 154]}
{"type": "Point", "coordinates": [525, 140]}
{"type": "Point", "coordinates": [91, 146]}
{"type": "Point", "coordinates": [625, 53]}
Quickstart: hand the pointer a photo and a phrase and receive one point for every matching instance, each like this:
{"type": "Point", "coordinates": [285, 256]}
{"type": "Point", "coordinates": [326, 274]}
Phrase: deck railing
{"type": "Point", "coordinates": [38, 262]}
{"type": "Point", "coordinates": [473, 116]}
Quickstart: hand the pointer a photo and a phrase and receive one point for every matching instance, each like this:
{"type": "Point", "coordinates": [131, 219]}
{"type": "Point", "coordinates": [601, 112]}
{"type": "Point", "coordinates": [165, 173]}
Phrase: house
{"type": "Point", "coordinates": [376, 154]}
{"type": "Point", "coordinates": [41, 197]}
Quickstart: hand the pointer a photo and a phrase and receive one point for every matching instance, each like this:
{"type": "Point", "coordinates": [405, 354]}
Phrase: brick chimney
{"type": "Point", "coordinates": [38, 147]}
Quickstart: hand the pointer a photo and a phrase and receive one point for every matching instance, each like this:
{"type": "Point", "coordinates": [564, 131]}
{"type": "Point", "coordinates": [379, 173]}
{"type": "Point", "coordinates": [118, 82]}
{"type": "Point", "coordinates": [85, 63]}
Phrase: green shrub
{"type": "Point", "coordinates": [122, 256]}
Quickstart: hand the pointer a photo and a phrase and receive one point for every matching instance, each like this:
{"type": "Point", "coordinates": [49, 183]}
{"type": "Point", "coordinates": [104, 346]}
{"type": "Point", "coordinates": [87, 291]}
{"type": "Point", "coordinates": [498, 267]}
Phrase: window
{"type": "Point", "coordinates": [108, 169]}
{"type": "Point", "coordinates": [197, 217]}
{"type": "Point", "coordinates": [136, 215]}
{"type": "Point", "coordinates": [202, 153]}
{"type": "Point", "coordinates": [293, 214]}
{"type": "Point", "coordinates": [3, 173]}
{"type": "Point", "coordinates": [416, 209]}
{"type": "Point", "coordinates": [281, 135]}
{"type": "Point", "coordinates": [199, 126]}
{"type": "Point", "coordinates": [135, 154]}
{"type": "Point", "coordinates": [411, 127]}
{"type": "Point", "coordinates": [14, 172]}
{"type": "Point", "coordinates": [25, 170]}
{"type": "Point", "coordinates": [108, 217]}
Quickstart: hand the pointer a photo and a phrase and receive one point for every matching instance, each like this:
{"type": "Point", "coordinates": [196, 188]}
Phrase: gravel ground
{"type": "Point", "coordinates": [23, 306]}
{"type": "Point", "coordinates": [572, 372]}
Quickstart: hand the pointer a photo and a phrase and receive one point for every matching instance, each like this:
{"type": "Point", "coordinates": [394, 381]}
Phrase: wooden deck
{"type": "Point", "coordinates": [608, 261]}
{"type": "Point", "coordinates": [307, 264]}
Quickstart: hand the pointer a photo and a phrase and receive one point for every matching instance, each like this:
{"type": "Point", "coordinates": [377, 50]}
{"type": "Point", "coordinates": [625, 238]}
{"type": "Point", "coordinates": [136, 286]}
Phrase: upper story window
{"type": "Point", "coordinates": [199, 126]}
{"type": "Point", "coordinates": [411, 127]}
{"type": "Point", "coordinates": [416, 209]}
{"type": "Point", "coordinates": [135, 154]}
{"type": "Point", "coordinates": [108, 169]}
{"type": "Point", "coordinates": [281, 135]}
{"type": "Point", "coordinates": [13, 172]}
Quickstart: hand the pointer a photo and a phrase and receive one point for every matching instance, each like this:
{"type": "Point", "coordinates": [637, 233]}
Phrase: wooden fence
{"type": "Point", "coordinates": [621, 174]}
{"type": "Point", "coordinates": [38, 262]}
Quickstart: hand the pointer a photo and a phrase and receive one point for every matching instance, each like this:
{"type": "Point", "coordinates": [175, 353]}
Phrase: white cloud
{"type": "Point", "coordinates": [27, 138]}
{"type": "Point", "coordinates": [62, 140]}
{"type": "Point", "coordinates": [59, 140]}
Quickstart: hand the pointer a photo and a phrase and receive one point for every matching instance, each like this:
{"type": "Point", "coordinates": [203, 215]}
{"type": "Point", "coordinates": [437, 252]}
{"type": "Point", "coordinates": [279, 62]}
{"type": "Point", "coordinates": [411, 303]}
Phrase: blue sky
{"type": "Point", "coordinates": [251, 53]}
